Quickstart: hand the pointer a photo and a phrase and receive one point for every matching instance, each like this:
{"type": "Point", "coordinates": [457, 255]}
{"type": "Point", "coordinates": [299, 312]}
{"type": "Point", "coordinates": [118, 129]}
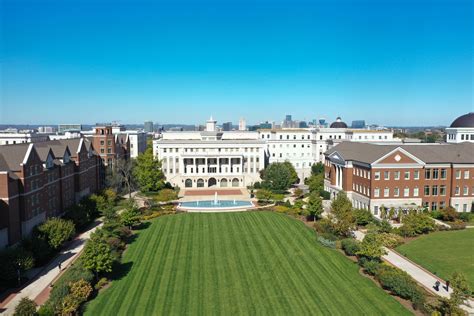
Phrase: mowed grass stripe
{"type": "Point", "coordinates": [238, 263]}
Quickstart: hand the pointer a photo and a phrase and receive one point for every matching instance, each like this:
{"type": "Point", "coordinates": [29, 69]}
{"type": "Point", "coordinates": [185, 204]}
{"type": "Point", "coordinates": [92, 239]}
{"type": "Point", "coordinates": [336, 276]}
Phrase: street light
{"type": "Point", "coordinates": [18, 271]}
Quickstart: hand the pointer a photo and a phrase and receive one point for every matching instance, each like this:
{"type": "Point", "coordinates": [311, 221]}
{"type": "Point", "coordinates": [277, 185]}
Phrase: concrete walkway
{"type": "Point", "coordinates": [49, 273]}
{"type": "Point", "coordinates": [419, 274]}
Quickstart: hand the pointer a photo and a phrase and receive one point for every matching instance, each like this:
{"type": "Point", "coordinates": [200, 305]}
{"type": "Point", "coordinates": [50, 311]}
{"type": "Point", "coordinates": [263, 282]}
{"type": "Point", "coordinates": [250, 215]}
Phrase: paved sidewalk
{"type": "Point", "coordinates": [49, 273]}
{"type": "Point", "coordinates": [419, 274]}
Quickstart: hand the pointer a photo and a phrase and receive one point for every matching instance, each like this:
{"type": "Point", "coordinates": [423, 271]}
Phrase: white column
{"type": "Point", "coordinates": [174, 164]}
{"type": "Point", "coordinates": [218, 165]}
{"type": "Point", "coordinates": [337, 175]}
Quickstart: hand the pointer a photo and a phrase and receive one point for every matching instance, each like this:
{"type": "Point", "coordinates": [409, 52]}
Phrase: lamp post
{"type": "Point", "coordinates": [18, 271]}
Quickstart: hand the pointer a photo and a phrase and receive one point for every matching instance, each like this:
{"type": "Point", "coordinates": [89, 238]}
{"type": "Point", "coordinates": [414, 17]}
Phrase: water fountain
{"type": "Point", "coordinates": [215, 199]}
{"type": "Point", "coordinates": [234, 202]}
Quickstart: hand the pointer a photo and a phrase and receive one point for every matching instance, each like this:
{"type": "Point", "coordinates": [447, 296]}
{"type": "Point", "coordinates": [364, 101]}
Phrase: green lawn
{"type": "Point", "coordinates": [444, 252]}
{"type": "Point", "coordinates": [238, 263]}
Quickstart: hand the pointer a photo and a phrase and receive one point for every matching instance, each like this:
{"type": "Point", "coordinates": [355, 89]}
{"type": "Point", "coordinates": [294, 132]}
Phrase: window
{"type": "Point", "coordinates": [406, 192]}
{"type": "Point", "coordinates": [396, 175]}
{"type": "Point", "coordinates": [442, 190]}
{"type": "Point", "coordinates": [442, 204]}
{"type": "Point", "coordinates": [458, 174]}
{"type": "Point", "coordinates": [109, 142]}
{"type": "Point", "coordinates": [435, 173]}
{"type": "Point", "coordinates": [376, 210]}
{"type": "Point", "coordinates": [466, 174]}
{"type": "Point", "coordinates": [377, 175]}
{"type": "Point", "coordinates": [456, 191]}
{"type": "Point", "coordinates": [427, 174]}
{"type": "Point", "coordinates": [396, 192]}
{"type": "Point", "coordinates": [376, 192]}
{"type": "Point", "coordinates": [427, 190]}
{"type": "Point", "coordinates": [434, 206]}
{"type": "Point", "coordinates": [407, 175]}
{"type": "Point", "coordinates": [465, 190]}
{"type": "Point", "coordinates": [386, 192]}
{"type": "Point", "coordinates": [386, 175]}
{"type": "Point", "coordinates": [102, 143]}
{"type": "Point", "coordinates": [443, 174]}
{"type": "Point", "coordinates": [434, 190]}
{"type": "Point", "coordinates": [102, 150]}
{"type": "Point", "coordinates": [416, 174]}
{"type": "Point", "coordinates": [415, 191]}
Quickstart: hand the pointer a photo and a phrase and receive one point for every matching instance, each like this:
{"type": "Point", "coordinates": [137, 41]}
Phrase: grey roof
{"type": "Point", "coordinates": [466, 120]}
{"type": "Point", "coordinates": [12, 156]}
{"type": "Point", "coordinates": [429, 153]}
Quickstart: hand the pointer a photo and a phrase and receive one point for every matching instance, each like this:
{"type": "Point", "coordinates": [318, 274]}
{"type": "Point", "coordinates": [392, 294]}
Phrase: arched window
{"type": "Point", "coordinates": [200, 183]}
{"type": "Point", "coordinates": [224, 183]}
{"type": "Point", "coordinates": [235, 182]}
{"type": "Point", "coordinates": [188, 183]}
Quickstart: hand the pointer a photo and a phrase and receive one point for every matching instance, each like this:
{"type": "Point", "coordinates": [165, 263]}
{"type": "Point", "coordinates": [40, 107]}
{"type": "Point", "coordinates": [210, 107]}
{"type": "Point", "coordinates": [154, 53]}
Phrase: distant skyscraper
{"type": "Point", "coordinates": [45, 129]}
{"type": "Point", "coordinates": [266, 125]}
{"type": "Point", "coordinates": [302, 124]}
{"type": "Point", "coordinates": [242, 125]}
{"type": "Point", "coordinates": [148, 127]}
{"type": "Point", "coordinates": [288, 117]}
{"type": "Point", "coordinates": [227, 126]}
{"type": "Point", "coordinates": [358, 124]}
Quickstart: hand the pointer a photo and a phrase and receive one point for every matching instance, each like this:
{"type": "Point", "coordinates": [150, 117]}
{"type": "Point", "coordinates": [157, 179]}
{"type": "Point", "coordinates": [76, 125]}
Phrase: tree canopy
{"type": "Point", "coordinates": [341, 215]}
{"type": "Point", "coordinates": [279, 176]}
{"type": "Point", "coordinates": [148, 173]}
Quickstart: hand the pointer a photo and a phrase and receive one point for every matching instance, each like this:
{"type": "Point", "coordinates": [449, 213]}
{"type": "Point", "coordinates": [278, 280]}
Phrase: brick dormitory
{"type": "Point", "coordinates": [41, 180]}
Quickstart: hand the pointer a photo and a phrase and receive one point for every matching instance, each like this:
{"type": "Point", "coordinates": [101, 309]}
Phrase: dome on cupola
{"type": "Point", "coordinates": [338, 124]}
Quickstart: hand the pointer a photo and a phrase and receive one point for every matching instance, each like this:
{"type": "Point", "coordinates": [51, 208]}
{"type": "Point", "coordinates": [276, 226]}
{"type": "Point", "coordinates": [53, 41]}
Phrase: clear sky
{"type": "Point", "coordinates": [399, 62]}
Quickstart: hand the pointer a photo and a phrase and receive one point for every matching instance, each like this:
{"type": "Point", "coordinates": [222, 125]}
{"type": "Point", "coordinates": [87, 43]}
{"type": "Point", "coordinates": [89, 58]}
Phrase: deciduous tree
{"type": "Point", "coordinates": [97, 256]}
{"type": "Point", "coordinates": [341, 215]}
{"type": "Point", "coordinates": [314, 206]}
{"type": "Point", "coordinates": [148, 173]}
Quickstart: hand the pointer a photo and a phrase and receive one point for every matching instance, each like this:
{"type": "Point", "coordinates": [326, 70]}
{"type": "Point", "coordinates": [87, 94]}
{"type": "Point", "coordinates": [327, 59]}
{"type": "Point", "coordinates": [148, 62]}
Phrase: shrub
{"type": "Point", "coordinates": [449, 214]}
{"type": "Point", "coordinates": [363, 217]}
{"type": "Point", "coordinates": [457, 225]}
{"type": "Point", "coordinates": [370, 266]}
{"type": "Point", "coordinates": [323, 226]}
{"type": "Point", "coordinates": [325, 195]}
{"type": "Point", "coordinates": [81, 290]}
{"type": "Point", "coordinates": [281, 208]}
{"type": "Point", "coordinates": [46, 310]}
{"type": "Point", "coordinates": [165, 195]}
{"type": "Point", "coordinates": [326, 242]}
{"type": "Point", "coordinates": [416, 224]}
{"type": "Point", "coordinates": [101, 283]}
{"type": "Point", "coordinates": [371, 247]}
{"type": "Point", "coordinates": [399, 283]}
{"type": "Point", "coordinates": [465, 217]}
{"type": "Point", "coordinates": [56, 231]}
{"type": "Point", "coordinates": [436, 214]}
{"type": "Point", "coordinates": [390, 240]}
{"type": "Point", "coordinates": [264, 195]}
{"type": "Point", "coordinates": [25, 307]}
{"type": "Point", "coordinates": [350, 246]}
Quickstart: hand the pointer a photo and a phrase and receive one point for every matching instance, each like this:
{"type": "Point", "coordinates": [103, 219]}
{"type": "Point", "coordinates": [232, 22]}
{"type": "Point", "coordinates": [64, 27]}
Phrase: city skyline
{"type": "Point", "coordinates": [389, 63]}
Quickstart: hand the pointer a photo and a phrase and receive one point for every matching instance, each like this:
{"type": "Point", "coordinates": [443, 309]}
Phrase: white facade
{"type": "Point", "coordinates": [137, 142]}
{"type": "Point", "coordinates": [211, 158]}
{"type": "Point", "coordinates": [459, 134]}
{"type": "Point", "coordinates": [20, 138]}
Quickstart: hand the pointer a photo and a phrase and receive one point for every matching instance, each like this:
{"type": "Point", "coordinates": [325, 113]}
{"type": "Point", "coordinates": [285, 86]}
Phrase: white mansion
{"type": "Point", "coordinates": [196, 159]}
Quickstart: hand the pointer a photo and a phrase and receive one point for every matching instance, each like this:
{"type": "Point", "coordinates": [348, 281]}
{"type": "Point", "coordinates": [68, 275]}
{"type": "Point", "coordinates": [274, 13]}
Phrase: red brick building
{"type": "Point", "coordinates": [42, 180]}
{"type": "Point", "coordinates": [110, 146]}
{"type": "Point", "coordinates": [433, 176]}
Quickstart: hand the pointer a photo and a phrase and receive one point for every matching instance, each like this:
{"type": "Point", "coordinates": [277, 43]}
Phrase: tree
{"type": "Point", "coordinates": [56, 231]}
{"type": "Point", "coordinates": [316, 183]}
{"type": "Point", "coordinates": [363, 217]}
{"type": "Point", "coordinates": [26, 307]}
{"type": "Point", "coordinates": [317, 169]}
{"type": "Point", "coordinates": [460, 286]}
{"type": "Point", "coordinates": [293, 175]}
{"type": "Point", "coordinates": [341, 215]}
{"type": "Point", "coordinates": [97, 256]}
{"type": "Point", "coordinates": [278, 177]}
{"type": "Point", "coordinates": [371, 247]}
{"type": "Point", "coordinates": [166, 195]}
{"type": "Point", "coordinates": [81, 290]}
{"type": "Point", "coordinates": [148, 173]}
{"type": "Point", "coordinates": [314, 206]}
{"type": "Point", "coordinates": [121, 176]}
{"type": "Point", "coordinates": [130, 216]}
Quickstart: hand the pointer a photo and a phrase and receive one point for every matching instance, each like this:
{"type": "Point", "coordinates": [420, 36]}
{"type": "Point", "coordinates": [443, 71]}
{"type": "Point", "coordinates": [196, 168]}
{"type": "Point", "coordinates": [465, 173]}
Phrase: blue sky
{"type": "Point", "coordinates": [389, 62]}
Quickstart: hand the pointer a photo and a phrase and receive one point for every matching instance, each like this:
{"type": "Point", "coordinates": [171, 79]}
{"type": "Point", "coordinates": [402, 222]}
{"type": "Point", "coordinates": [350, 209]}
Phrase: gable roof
{"type": "Point", "coordinates": [428, 153]}
{"type": "Point", "coordinates": [12, 156]}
